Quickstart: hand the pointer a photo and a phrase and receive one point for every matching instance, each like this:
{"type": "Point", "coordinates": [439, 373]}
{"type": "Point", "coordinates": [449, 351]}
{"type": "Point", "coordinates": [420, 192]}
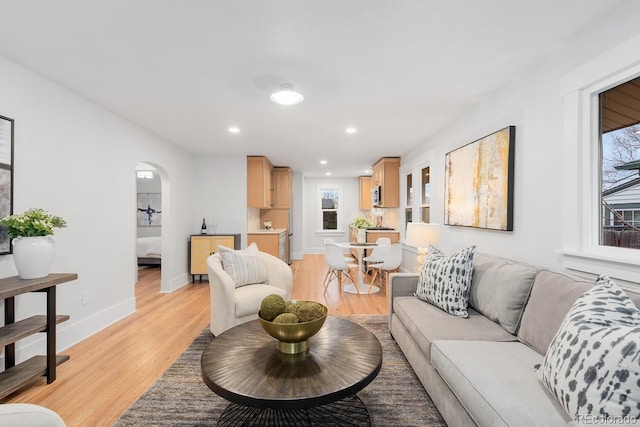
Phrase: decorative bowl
{"type": "Point", "coordinates": [293, 338]}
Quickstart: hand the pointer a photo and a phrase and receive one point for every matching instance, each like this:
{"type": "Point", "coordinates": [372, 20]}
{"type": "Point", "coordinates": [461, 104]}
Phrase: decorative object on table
{"type": "Point", "coordinates": [421, 235]}
{"type": "Point", "coordinates": [361, 223]}
{"type": "Point", "coordinates": [6, 178]}
{"type": "Point", "coordinates": [149, 209]}
{"type": "Point", "coordinates": [33, 245]}
{"type": "Point", "coordinates": [203, 229]}
{"type": "Point", "coordinates": [479, 182]}
{"type": "Point", "coordinates": [268, 225]}
{"type": "Point", "coordinates": [292, 323]}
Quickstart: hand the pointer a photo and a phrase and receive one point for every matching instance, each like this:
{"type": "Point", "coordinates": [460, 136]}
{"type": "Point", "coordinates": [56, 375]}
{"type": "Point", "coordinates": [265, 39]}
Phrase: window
{"type": "Point", "coordinates": [408, 210]}
{"type": "Point", "coordinates": [426, 194]}
{"type": "Point", "coordinates": [330, 203]}
{"type": "Point", "coordinates": [585, 213]}
{"type": "Point", "coordinates": [620, 164]}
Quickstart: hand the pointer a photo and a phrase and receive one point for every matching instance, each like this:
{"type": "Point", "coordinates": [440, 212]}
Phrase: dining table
{"type": "Point", "coordinates": [360, 287]}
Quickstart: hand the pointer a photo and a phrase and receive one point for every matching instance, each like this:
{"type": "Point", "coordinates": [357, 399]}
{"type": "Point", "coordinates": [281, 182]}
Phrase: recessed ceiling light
{"type": "Point", "coordinates": [367, 171]}
{"type": "Point", "coordinates": [323, 162]}
{"type": "Point", "coordinates": [328, 173]}
{"type": "Point", "coordinates": [351, 130]}
{"type": "Point", "coordinates": [234, 129]}
{"type": "Point", "coordinates": [286, 95]}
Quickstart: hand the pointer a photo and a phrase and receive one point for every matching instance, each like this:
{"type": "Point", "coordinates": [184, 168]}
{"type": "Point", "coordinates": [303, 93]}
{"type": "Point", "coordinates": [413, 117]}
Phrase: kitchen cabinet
{"type": "Point", "coordinates": [273, 242]}
{"type": "Point", "coordinates": [373, 235]}
{"type": "Point", "coordinates": [281, 188]}
{"type": "Point", "coordinates": [17, 376]}
{"type": "Point", "coordinates": [386, 174]}
{"type": "Point", "coordinates": [365, 192]}
{"type": "Point", "coordinates": [259, 188]}
{"type": "Point", "coordinates": [201, 246]}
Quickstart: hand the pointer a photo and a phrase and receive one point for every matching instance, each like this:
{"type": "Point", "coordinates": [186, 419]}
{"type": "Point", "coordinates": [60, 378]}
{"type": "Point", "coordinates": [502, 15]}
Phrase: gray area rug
{"type": "Point", "coordinates": [180, 397]}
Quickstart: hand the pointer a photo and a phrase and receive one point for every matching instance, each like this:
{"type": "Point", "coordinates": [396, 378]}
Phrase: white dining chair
{"type": "Point", "coordinates": [391, 262]}
{"type": "Point", "coordinates": [346, 253]}
{"type": "Point", "coordinates": [378, 253]}
{"type": "Point", "coordinates": [338, 267]}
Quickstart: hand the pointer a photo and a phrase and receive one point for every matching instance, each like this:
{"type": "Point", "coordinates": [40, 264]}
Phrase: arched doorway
{"type": "Point", "coordinates": [152, 218]}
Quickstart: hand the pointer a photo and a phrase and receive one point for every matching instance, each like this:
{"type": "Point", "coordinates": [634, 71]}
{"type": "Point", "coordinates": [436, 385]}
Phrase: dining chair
{"type": "Point", "coordinates": [338, 267]}
{"type": "Point", "coordinates": [391, 262]}
{"type": "Point", "coordinates": [378, 253]}
{"type": "Point", "coordinates": [346, 253]}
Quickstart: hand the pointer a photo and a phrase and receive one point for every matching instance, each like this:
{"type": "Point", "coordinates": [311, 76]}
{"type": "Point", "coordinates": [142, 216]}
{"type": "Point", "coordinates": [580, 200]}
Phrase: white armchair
{"type": "Point", "coordinates": [231, 305]}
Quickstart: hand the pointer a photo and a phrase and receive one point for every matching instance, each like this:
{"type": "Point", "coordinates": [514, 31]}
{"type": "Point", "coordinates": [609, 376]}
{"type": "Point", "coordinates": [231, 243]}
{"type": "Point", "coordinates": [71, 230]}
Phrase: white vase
{"type": "Point", "coordinates": [33, 256]}
{"type": "Point", "coordinates": [362, 235]}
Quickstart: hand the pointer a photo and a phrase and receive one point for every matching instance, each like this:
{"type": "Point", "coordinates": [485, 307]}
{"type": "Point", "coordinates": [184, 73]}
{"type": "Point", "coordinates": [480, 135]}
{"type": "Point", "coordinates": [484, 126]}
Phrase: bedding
{"type": "Point", "coordinates": [149, 247]}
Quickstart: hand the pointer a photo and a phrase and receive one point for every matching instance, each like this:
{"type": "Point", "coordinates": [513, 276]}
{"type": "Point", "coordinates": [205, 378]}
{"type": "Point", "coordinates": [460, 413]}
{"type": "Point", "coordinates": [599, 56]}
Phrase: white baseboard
{"type": "Point", "coordinates": [69, 333]}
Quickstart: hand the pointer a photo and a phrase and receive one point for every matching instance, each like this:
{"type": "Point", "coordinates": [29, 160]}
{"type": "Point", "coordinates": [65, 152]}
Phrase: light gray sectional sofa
{"type": "Point", "coordinates": [480, 370]}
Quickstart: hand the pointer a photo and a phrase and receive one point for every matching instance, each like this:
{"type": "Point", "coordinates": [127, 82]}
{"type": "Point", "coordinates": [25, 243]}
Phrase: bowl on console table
{"type": "Point", "coordinates": [293, 338]}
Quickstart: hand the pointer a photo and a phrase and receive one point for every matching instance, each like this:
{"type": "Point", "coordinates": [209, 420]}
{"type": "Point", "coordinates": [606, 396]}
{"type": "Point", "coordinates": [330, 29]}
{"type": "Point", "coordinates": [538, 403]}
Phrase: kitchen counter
{"type": "Point", "coordinates": [265, 231]}
{"type": "Point", "coordinates": [274, 241]}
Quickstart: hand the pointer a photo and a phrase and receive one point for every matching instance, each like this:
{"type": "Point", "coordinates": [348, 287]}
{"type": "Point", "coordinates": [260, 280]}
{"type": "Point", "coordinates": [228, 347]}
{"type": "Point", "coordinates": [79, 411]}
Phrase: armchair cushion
{"type": "Point", "coordinates": [28, 415]}
{"type": "Point", "coordinates": [244, 266]}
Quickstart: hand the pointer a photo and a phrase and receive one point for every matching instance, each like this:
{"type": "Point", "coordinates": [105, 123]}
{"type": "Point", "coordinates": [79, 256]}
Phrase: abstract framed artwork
{"type": "Point", "coordinates": [6, 179]}
{"type": "Point", "coordinates": [479, 182]}
{"type": "Point", "coordinates": [149, 209]}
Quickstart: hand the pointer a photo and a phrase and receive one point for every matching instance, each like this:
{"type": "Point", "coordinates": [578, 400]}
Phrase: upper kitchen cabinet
{"type": "Point", "coordinates": [365, 192]}
{"type": "Point", "coordinates": [386, 175]}
{"type": "Point", "coordinates": [259, 170]}
{"type": "Point", "coordinates": [281, 186]}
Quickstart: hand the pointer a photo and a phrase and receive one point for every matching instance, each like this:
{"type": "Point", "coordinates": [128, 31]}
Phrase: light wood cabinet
{"type": "Point", "coordinates": [373, 235]}
{"type": "Point", "coordinates": [386, 174]}
{"type": "Point", "coordinates": [365, 192]}
{"type": "Point", "coordinates": [273, 243]}
{"type": "Point", "coordinates": [201, 246]}
{"type": "Point", "coordinates": [259, 188]}
{"type": "Point", "coordinates": [281, 186]}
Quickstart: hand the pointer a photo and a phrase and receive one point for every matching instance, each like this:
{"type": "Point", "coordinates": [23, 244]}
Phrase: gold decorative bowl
{"type": "Point", "coordinates": [293, 338]}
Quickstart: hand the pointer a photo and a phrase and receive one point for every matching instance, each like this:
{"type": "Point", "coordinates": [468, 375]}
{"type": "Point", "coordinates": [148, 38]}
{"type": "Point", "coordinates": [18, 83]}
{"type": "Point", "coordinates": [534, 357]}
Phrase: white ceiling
{"type": "Point", "coordinates": [398, 70]}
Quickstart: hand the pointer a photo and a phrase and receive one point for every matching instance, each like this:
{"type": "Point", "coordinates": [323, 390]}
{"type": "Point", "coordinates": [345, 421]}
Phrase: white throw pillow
{"type": "Point", "coordinates": [244, 266]}
{"type": "Point", "coordinates": [445, 281]}
{"type": "Point", "coordinates": [592, 366]}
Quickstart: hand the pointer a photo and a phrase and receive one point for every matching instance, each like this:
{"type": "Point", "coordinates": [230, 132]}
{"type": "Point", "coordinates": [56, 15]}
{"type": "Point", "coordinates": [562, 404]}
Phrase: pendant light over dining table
{"type": "Point", "coordinates": [287, 95]}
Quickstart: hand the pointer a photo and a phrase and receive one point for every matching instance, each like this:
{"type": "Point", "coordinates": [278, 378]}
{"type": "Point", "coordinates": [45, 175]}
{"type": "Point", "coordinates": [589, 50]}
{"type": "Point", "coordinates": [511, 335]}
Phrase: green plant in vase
{"type": "Point", "coordinates": [361, 222]}
{"type": "Point", "coordinates": [32, 243]}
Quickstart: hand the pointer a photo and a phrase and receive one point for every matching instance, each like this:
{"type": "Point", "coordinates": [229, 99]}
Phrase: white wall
{"type": "Point", "coordinates": [533, 103]}
{"type": "Point", "coordinates": [77, 160]}
{"type": "Point", "coordinates": [220, 195]}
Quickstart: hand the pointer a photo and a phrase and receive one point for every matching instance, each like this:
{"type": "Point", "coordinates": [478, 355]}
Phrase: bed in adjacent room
{"type": "Point", "coordinates": [148, 250]}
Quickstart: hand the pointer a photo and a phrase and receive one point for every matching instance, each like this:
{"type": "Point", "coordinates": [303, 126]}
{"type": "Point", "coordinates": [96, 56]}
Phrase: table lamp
{"type": "Point", "coordinates": [420, 235]}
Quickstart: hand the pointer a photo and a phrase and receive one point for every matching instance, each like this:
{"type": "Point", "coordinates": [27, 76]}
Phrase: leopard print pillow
{"type": "Point", "coordinates": [592, 366]}
{"type": "Point", "coordinates": [445, 281]}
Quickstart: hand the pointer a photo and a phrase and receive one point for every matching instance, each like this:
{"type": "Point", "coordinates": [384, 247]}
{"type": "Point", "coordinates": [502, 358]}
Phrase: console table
{"type": "Point", "coordinates": [30, 371]}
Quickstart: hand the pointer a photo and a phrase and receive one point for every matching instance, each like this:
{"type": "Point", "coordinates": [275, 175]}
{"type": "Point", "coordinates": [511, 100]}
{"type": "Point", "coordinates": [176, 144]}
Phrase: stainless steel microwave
{"type": "Point", "coordinates": [376, 195]}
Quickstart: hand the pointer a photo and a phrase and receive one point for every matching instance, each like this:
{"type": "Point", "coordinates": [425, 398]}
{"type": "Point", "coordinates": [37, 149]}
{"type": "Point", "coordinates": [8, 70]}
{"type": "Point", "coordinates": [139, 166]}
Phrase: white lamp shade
{"type": "Point", "coordinates": [421, 235]}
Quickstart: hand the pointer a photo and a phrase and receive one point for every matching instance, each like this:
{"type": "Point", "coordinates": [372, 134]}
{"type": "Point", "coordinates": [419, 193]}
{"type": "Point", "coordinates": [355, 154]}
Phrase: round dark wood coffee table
{"type": "Point", "coordinates": [267, 387]}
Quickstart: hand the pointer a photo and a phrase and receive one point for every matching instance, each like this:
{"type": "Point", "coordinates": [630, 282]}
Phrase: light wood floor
{"type": "Point", "coordinates": [110, 370]}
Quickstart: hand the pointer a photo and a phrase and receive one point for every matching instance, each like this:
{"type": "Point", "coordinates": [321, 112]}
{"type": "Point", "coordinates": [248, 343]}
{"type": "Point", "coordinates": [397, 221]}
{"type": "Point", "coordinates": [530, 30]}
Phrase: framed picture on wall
{"type": "Point", "coordinates": [6, 178]}
{"type": "Point", "coordinates": [479, 182]}
{"type": "Point", "coordinates": [149, 209]}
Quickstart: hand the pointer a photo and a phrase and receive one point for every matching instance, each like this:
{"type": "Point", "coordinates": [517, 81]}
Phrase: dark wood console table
{"type": "Point", "coordinates": [30, 371]}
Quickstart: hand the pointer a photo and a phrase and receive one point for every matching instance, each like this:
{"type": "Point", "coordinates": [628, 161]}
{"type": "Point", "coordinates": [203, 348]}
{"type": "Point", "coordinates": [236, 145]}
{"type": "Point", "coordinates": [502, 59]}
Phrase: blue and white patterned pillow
{"type": "Point", "coordinates": [244, 266]}
{"type": "Point", "coordinates": [445, 281]}
{"type": "Point", "coordinates": [592, 366]}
